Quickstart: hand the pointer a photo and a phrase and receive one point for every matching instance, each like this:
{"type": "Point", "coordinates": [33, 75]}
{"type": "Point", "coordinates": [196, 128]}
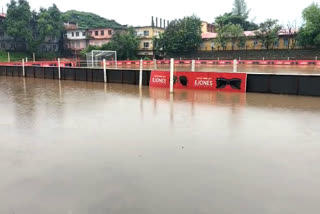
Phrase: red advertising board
{"type": "Point", "coordinates": [233, 82]}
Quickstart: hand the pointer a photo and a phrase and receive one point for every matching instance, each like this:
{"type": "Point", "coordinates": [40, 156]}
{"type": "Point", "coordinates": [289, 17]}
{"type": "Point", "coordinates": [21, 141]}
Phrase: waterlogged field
{"type": "Point", "coordinates": [277, 69]}
{"type": "Point", "coordinates": [81, 147]}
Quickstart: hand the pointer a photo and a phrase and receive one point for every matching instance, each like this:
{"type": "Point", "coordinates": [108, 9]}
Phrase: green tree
{"type": "Point", "coordinates": [229, 33]}
{"type": "Point", "coordinates": [182, 35]}
{"type": "Point", "coordinates": [125, 43]}
{"type": "Point", "coordinates": [239, 15]}
{"type": "Point", "coordinates": [18, 20]}
{"type": "Point", "coordinates": [240, 9]}
{"type": "Point", "coordinates": [242, 42]}
{"type": "Point", "coordinates": [309, 34]}
{"type": "Point", "coordinates": [47, 24]}
{"type": "Point", "coordinates": [236, 33]}
{"type": "Point", "coordinates": [268, 33]}
{"type": "Point", "coordinates": [229, 18]}
{"type": "Point", "coordinates": [32, 27]}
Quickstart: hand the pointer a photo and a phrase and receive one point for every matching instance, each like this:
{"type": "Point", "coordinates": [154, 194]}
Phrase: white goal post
{"type": "Point", "coordinates": [95, 58]}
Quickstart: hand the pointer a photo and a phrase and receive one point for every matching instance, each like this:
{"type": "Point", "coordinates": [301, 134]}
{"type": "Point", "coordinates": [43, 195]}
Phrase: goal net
{"type": "Point", "coordinates": [96, 57]}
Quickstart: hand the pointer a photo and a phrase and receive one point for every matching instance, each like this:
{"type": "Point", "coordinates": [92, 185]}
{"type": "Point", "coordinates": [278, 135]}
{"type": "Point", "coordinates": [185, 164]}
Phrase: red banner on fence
{"type": "Point", "coordinates": [233, 82]}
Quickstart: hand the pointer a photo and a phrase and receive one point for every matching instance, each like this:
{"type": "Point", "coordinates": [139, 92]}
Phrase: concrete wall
{"type": "Point", "coordinates": [78, 74]}
{"type": "Point", "coordinates": [306, 85]}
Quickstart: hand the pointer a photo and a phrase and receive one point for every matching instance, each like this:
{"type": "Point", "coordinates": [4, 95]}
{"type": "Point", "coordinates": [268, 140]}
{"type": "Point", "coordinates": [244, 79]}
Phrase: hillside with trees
{"type": "Point", "coordinates": [88, 20]}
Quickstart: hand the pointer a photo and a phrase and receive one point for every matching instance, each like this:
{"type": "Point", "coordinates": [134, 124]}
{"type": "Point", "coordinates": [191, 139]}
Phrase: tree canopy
{"type": "Point", "coordinates": [240, 9]}
{"type": "Point", "coordinates": [268, 32]}
{"type": "Point", "coordinates": [88, 20]}
{"type": "Point", "coordinates": [230, 33]}
{"type": "Point", "coordinates": [18, 20]}
{"type": "Point", "coordinates": [31, 26]}
{"type": "Point", "coordinates": [239, 15]}
{"type": "Point", "coordinates": [309, 34]}
{"type": "Point", "coordinates": [182, 35]}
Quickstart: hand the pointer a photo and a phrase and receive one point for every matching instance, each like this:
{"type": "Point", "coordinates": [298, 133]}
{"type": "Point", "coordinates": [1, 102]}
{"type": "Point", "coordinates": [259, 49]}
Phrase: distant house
{"type": "Point", "coordinates": [100, 36]}
{"type": "Point", "coordinates": [146, 35]}
{"type": "Point", "coordinates": [76, 37]}
{"type": "Point", "coordinates": [208, 28]}
{"type": "Point", "coordinates": [286, 40]}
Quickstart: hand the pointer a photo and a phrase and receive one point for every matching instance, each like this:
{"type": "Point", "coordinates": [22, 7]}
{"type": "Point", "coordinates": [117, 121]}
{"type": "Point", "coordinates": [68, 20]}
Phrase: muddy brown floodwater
{"type": "Point", "coordinates": [89, 148]}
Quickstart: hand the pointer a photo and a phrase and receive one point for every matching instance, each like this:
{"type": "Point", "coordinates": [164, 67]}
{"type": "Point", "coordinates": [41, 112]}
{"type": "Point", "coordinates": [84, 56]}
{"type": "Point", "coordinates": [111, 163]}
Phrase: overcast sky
{"type": "Point", "coordinates": [139, 12]}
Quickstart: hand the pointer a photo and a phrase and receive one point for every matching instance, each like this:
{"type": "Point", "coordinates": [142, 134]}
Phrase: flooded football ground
{"type": "Point", "coordinates": [92, 148]}
{"type": "Point", "coordinates": [259, 69]}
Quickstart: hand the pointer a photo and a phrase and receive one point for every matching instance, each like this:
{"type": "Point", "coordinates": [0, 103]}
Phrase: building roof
{"type": "Point", "coordinates": [100, 28]}
{"type": "Point", "coordinates": [282, 32]}
{"type": "Point", "coordinates": [161, 28]}
{"type": "Point", "coordinates": [71, 26]}
{"type": "Point", "coordinates": [3, 15]}
{"type": "Point", "coordinates": [209, 35]}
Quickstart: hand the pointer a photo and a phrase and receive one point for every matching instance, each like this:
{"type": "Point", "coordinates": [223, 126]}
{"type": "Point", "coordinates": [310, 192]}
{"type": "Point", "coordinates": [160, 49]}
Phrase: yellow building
{"type": "Point", "coordinates": [207, 27]}
{"type": "Point", "coordinates": [286, 40]}
{"type": "Point", "coordinates": [145, 35]}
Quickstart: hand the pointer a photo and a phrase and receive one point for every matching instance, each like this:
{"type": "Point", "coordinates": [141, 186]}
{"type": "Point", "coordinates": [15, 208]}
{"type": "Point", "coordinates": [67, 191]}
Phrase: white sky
{"type": "Point", "coordinates": [139, 12]}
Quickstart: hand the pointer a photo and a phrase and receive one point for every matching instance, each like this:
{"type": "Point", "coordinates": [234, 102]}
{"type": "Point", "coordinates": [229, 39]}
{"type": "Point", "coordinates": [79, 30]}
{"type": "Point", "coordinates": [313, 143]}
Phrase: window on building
{"type": "Point", "coordinates": [78, 44]}
{"type": "Point", "coordinates": [77, 34]}
{"type": "Point", "coordinates": [72, 34]}
{"type": "Point", "coordinates": [1, 34]}
{"type": "Point", "coordinates": [146, 44]}
{"type": "Point", "coordinates": [276, 44]}
{"type": "Point", "coordinates": [255, 43]}
{"type": "Point", "coordinates": [286, 42]}
{"type": "Point", "coordinates": [96, 33]}
{"type": "Point", "coordinates": [90, 32]}
{"type": "Point", "coordinates": [110, 32]}
{"type": "Point", "coordinates": [212, 45]}
{"type": "Point", "coordinates": [83, 33]}
{"type": "Point", "coordinates": [54, 47]}
{"type": "Point", "coordinates": [102, 33]}
{"type": "Point", "coordinates": [146, 33]}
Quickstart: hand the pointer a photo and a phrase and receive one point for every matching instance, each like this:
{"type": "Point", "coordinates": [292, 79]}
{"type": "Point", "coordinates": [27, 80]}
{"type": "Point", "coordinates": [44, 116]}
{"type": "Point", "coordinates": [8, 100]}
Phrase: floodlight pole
{"type": "Point", "coordinates": [92, 59]}
{"type": "Point", "coordinates": [171, 74]}
{"type": "Point", "coordinates": [104, 70]}
{"type": "Point", "coordinates": [23, 70]}
{"type": "Point", "coordinates": [193, 65]}
{"type": "Point", "coordinates": [59, 69]}
{"type": "Point", "coordinates": [141, 72]}
{"type": "Point", "coordinates": [235, 65]}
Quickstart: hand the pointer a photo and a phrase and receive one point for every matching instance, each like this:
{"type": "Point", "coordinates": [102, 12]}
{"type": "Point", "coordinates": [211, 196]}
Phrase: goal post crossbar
{"type": "Point", "coordinates": [95, 56]}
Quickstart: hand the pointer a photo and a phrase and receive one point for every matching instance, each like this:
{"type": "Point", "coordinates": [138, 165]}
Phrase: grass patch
{"type": "Point", "coordinates": [14, 56]}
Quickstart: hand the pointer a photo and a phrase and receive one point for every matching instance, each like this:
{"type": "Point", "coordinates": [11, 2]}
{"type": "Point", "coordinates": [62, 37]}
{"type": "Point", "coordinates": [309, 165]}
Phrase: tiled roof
{"type": "Point", "coordinates": [209, 35]}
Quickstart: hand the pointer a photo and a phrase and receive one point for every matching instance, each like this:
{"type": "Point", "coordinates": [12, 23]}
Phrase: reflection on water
{"type": "Point", "coordinates": [80, 147]}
